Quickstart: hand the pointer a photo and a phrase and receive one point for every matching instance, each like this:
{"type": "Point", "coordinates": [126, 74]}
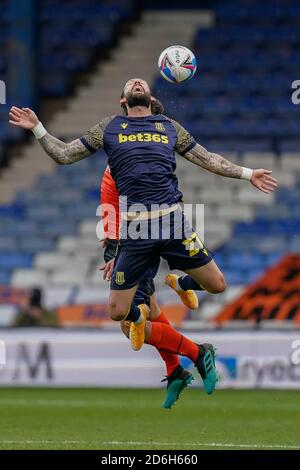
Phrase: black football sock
{"type": "Point", "coordinates": [186, 283]}
{"type": "Point", "coordinates": [134, 313]}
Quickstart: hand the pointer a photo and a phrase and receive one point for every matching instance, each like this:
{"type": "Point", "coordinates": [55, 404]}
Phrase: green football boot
{"type": "Point", "coordinates": [206, 367]}
{"type": "Point", "coordinates": [177, 382]}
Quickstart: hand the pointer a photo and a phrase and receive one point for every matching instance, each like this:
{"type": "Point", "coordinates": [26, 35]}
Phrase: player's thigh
{"type": "Point", "coordinates": [209, 276]}
{"type": "Point", "coordinates": [120, 301]}
{"type": "Point", "coordinates": [186, 254]}
{"type": "Point", "coordinates": [131, 268]}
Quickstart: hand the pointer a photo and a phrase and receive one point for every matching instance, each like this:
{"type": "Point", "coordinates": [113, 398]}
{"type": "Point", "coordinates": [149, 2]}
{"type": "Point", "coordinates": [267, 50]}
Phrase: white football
{"type": "Point", "coordinates": [177, 64]}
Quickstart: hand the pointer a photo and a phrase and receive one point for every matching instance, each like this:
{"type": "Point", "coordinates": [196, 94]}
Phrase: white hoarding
{"type": "Point", "coordinates": [95, 358]}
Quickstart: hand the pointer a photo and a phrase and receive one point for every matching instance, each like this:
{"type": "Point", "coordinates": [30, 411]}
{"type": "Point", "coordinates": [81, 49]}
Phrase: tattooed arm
{"type": "Point", "coordinates": [59, 151]}
{"type": "Point", "coordinates": [188, 148]}
{"type": "Point", "coordinates": [259, 178]}
{"type": "Point", "coordinates": [213, 162]}
{"type": "Point", "coordinates": [62, 153]}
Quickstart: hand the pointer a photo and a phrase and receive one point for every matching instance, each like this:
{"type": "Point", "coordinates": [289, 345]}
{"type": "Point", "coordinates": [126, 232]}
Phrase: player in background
{"type": "Point", "coordinates": [177, 377]}
{"type": "Point", "coordinates": [141, 156]}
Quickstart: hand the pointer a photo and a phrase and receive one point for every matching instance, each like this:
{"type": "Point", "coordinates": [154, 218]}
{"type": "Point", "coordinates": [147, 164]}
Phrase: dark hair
{"type": "Point", "coordinates": [35, 298]}
{"type": "Point", "coordinates": [156, 106]}
{"type": "Point", "coordinates": [123, 106]}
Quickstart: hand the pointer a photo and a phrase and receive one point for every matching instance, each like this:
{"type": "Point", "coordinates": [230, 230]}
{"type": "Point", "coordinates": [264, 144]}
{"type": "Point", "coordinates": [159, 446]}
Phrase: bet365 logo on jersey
{"type": "Point", "coordinates": [143, 137]}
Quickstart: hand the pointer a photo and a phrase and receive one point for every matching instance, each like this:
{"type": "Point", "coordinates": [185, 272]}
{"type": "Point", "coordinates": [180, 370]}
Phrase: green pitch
{"type": "Point", "coordinates": [134, 419]}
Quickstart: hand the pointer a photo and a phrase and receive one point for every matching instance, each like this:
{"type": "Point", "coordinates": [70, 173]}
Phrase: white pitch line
{"type": "Point", "coordinates": [148, 444]}
{"type": "Point", "coordinates": [203, 444]}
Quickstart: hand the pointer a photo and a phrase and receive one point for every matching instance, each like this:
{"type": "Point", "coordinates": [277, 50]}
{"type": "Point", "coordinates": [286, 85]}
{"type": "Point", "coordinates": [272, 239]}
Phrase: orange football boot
{"type": "Point", "coordinates": [137, 330]}
{"type": "Point", "coordinates": [188, 297]}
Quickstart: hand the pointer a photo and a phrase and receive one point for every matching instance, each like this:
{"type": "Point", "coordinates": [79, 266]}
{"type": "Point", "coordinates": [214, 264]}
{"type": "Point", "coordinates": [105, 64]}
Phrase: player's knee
{"type": "Point", "coordinates": [219, 285]}
{"type": "Point", "coordinates": [116, 311]}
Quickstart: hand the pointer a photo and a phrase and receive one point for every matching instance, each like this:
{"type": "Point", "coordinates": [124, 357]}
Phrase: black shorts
{"type": "Point", "coordinates": [138, 259]}
{"type": "Point", "coordinates": [145, 289]}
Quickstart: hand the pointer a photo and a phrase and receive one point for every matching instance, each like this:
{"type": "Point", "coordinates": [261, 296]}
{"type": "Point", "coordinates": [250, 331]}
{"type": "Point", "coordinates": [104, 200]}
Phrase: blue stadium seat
{"type": "Point", "coordinates": [43, 212]}
{"type": "Point", "coordinates": [294, 245]}
{"type": "Point", "coordinates": [235, 277]}
{"type": "Point", "coordinates": [12, 260]}
{"type": "Point", "coordinates": [8, 244]}
{"type": "Point", "coordinates": [252, 275]}
{"type": "Point", "coordinates": [35, 244]}
{"type": "Point", "coordinates": [78, 212]}
{"type": "Point", "coordinates": [14, 211]}
{"type": "Point", "coordinates": [21, 228]}
{"type": "Point", "coordinates": [4, 277]}
{"type": "Point", "coordinates": [59, 229]}
{"type": "Point", "coordinates": [241, 260]}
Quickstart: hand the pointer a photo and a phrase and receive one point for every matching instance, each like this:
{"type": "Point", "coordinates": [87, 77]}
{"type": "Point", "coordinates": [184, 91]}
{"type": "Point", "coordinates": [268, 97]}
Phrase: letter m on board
{"type": "Point", "coordinates": [39, 358]}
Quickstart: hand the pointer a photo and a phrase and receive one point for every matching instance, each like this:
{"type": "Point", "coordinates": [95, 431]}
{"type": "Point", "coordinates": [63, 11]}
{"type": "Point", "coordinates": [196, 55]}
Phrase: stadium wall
{"type": "Point", "coordinates": [103, 359]}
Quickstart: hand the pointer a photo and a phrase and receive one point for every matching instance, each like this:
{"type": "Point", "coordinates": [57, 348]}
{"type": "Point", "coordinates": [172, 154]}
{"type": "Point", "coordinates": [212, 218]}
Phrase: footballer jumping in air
{"type": "Point", "coordinates": [141, 156]}
{"type": "Point", "coordinates": [177, 377]}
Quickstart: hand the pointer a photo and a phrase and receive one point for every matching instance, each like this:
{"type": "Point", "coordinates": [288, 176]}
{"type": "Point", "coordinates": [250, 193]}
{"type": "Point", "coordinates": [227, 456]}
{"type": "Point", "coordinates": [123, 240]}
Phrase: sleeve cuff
{"type": "Point", "coordinates": [192, 145]}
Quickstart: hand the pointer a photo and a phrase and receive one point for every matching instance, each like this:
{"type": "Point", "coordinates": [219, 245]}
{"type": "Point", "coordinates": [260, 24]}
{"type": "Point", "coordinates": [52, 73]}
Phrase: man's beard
{"type": "Point", "coordinates": [139, 100]}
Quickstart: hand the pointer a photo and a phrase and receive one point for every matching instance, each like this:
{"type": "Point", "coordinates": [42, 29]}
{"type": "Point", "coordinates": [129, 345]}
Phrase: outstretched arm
{"type": "Point", "coordinates": [61, 152]}
{"type": "Point", "coordinates": [215, 163]}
